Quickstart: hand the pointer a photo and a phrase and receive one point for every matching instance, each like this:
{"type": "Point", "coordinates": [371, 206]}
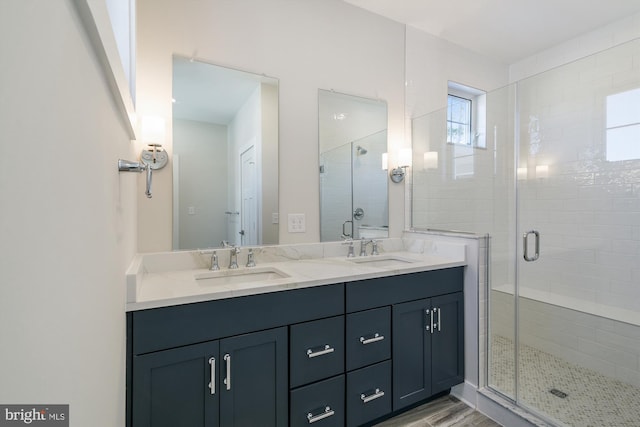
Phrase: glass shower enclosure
{"type": "Point", "coordinates": [557, 187]}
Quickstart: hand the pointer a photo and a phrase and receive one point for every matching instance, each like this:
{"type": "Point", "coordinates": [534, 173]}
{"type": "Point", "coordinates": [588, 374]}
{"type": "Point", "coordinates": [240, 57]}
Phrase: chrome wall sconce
{"type": "Point", "coordinates": [153, 157]}
{"type": "Point", "coordinates": [398, 173]}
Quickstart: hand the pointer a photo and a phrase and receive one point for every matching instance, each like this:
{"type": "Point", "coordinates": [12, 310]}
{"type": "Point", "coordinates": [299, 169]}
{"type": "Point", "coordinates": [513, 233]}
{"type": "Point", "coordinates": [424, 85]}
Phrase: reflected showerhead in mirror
{"type": "Point", "coordinates": [350, 151]}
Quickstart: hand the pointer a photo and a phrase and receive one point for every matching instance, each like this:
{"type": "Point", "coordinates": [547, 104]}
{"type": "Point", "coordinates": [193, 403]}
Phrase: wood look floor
{"type": "Point", "coordinates": [446, 411]}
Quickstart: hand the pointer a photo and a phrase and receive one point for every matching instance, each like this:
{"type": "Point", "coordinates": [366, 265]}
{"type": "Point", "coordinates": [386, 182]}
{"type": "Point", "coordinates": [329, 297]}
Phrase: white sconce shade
{"type": "Point", "coordinates": [404, 157]}
{"type": "Point", "coordinates": [430, 160]}
{"type": "Point", "coordinates": [542, 171]}
{"type": "Point", "coordinates": [152, 130]}
{"type": "Point", "coordinates": [522, 173]}
{"type": "Point", "coordinates": [385, 161]}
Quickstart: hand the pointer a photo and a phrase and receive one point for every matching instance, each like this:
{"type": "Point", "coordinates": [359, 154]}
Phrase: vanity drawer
{"type": "Point", "coordinates": [320, 404]}
{"type": "Point", "coordinates": [368, 393]}
{"type": "Point", "coordinates": [316, 350]}
{"type": "Point", "coordinates": [368, 337]}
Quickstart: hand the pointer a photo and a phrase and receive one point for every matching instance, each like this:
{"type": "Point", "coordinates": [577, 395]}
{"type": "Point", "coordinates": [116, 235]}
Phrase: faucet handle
{"type": "Point", "coordinates": [214, 262]}
{"type": "Point", "coordinates": [363, 246]}
{"type": "Point", "coordinates": [250, 259]}
{"type": "Point", "coordinates": [349, 242]}
{"type": "Point", "coordinates": [374, 247]}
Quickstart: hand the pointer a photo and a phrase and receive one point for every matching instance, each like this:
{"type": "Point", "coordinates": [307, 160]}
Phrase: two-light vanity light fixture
{"type": "Point", "coordinates": [154, 157]}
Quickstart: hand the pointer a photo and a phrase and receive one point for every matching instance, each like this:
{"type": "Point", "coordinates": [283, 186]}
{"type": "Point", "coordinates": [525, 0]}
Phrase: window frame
{"type": "Point", "coordinates": [469, 124]}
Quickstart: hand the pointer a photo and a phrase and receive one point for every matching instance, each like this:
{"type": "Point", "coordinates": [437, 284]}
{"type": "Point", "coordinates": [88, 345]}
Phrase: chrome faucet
{"type": "Point", "coordinates": [363, 246]}
{"type": "Point", "coordinates": [251, 262]}
{"type": "Point", "coordinates": [233, 257]}
{"type": "Point", "coordinates": [214, 262]}
{"type": "Point", "coordinates": [349, 241]}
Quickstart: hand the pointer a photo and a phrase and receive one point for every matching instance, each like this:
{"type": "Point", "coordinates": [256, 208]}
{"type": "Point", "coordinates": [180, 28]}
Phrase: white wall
{"type": "Point", "coordinates": [269, 164]}
{"type": "Point", "coordinates": [309, 45]}
{"type": "Point", "coordinates": [67, 220]}
{"type": "Point", "coordinates": [603, 38]}
{"type": "Point", "coordinates": [202, 149]}
{"type": "Point", "coordinates": [437, 198]}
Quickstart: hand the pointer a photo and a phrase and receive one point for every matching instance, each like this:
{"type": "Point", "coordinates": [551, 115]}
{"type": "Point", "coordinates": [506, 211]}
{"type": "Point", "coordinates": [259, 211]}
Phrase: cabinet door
{"type": "Point", "coordinates": [411, 353]}
{"type": "Point", "coordinates": [172, 388]}
{"type": "Point", "coordinates": [254, 379]}
{"type": "Point", "coordinates": [447, 342]}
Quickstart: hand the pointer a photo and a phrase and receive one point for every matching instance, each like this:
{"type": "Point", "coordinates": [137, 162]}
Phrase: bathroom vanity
{"type": "Point", "coordinates": [339, 353]}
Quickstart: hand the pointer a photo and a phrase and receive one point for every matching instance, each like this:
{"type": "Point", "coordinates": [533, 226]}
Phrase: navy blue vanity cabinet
{"type": "Point", "coordinates": [368, 337]}
{"type": "Point", "coordinates": [320, 404]}
{"type": "Point", "coordinates": [316, 350]}
{"type": "Point", "coordinates": [425, 329]}
{"type": "Point", "coordinates": [237, 381]}
{"type": "Point", "coordinates": [220, 363]}
{"type": "Point", "coordinates": [368, 393]}
{"type": "Point", "coordinates": [428, 354]}
{"type": "Point", "coordinates": [316, 365]}
{"type": "Point", "coordinates": [254, 373]}
{"type": "Point", "coordinates": [172, 388]}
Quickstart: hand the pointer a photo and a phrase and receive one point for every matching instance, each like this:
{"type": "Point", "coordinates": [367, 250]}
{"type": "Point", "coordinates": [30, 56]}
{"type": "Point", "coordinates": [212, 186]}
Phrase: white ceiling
{"type": "Point", "coordinates": [505, 30]}
{"type": "Point", "coordinates": [210, 93]}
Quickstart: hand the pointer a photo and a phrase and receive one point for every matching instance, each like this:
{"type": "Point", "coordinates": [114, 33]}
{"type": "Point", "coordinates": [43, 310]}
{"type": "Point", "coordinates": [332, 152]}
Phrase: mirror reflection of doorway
{"type": "Point", "coordinates": [249, 201]}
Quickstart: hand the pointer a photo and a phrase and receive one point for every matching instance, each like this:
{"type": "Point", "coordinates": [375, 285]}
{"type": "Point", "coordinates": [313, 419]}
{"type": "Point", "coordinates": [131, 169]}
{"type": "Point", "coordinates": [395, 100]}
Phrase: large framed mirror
{"type": "Point", "coordinates": [225, 156]}
{"type": "Point", "coordinates": [352, 133]}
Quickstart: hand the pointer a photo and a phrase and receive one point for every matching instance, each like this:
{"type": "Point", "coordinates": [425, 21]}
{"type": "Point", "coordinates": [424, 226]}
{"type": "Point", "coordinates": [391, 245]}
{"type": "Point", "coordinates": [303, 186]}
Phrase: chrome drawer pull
{"type": "Point", "coordinates": [375, 338]}
{"type": "Point", "coordinates": [227, 380]}
{"type": "Point", "coordinates": [212, 384]}
{"type": "Point", "coordinates": [375, 395]}
{"type": "Point", "coordinates": [325, 350]}
{"type": "Point", "coordinates": [326, 413]}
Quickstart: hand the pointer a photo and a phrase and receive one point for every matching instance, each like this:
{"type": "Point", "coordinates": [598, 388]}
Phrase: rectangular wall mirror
{"type": "Point", "coordinates": [225, 156]}
{"type": "Point", "coordinates": [353, 184]}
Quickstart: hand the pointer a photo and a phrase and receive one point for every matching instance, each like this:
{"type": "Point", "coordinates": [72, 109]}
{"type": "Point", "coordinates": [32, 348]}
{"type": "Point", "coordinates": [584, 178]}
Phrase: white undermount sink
{"type": "Point", "coordinates": [234, 277]}
{"type": "Point", "coordinates": [382, 260]}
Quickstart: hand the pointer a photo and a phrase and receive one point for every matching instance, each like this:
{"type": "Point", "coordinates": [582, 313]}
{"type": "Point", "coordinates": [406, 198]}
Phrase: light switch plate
{"type": "Point", "coordinates": [296, 223]}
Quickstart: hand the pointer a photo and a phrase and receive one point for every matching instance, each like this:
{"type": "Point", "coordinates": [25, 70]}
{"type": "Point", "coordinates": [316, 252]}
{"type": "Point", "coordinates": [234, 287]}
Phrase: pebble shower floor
{"type": "Point", "coordinates": [592, 400]}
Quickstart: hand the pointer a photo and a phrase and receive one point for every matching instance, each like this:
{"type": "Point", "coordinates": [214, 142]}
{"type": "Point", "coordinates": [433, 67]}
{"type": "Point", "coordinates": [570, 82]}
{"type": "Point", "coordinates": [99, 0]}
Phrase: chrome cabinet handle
{"type": "Point", "coordinates": [428, 327]}
{"type": "Point", "coordinates": [325, 350]}
{"type": "Point", "coordinates": [325, 413]}
{"type": "Point", "coordinates": [431, 315]}
{"type": "Point", "coordinates": [439, 323]}
{"type": "Point", "coordinates": [377, 393]}
{"type": "Point", "coordinates": [212, 384]}
{"type": "Point", "coordinates": [227, 380]}
{"type": "Point", "coordinates": [525, 246]}
{"type": "Point", "coordinates": [374, 338]}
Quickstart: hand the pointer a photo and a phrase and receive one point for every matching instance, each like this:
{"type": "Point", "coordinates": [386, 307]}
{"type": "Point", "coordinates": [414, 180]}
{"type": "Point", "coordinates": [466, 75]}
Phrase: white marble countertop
{"type": "Point", "coordinates": [165, 279]}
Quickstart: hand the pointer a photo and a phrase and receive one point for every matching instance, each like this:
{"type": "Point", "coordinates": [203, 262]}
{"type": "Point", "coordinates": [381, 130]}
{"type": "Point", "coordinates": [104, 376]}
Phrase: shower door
{"type": "Point", "coordinates": [353, 196]}
{"type": "Point", "coordinates": [572, 352]}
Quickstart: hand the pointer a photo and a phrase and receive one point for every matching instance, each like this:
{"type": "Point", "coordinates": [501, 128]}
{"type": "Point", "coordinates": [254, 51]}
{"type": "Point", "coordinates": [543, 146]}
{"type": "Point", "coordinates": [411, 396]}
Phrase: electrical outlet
{"type": "Point", "coordinates": [296, 223]}
{"type": "Point", "coordinates": [192, 210]}
{"type": "Point", "coordinates": [275, 218]}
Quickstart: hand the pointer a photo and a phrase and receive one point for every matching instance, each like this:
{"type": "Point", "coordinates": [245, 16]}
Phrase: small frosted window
{"type": "Point", "coordinates": [623, 126]}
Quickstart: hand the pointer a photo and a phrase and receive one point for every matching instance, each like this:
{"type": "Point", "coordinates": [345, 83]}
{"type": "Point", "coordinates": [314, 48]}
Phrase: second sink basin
{"type": "Point", "coordinates": [382, 260]}
{"type": "Point", "coordinates": [234, 277]}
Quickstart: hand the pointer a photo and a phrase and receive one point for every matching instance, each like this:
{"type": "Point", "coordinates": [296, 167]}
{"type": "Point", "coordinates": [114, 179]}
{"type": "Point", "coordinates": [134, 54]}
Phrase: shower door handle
{"type": "Point", "coordinates": [525, 246]}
